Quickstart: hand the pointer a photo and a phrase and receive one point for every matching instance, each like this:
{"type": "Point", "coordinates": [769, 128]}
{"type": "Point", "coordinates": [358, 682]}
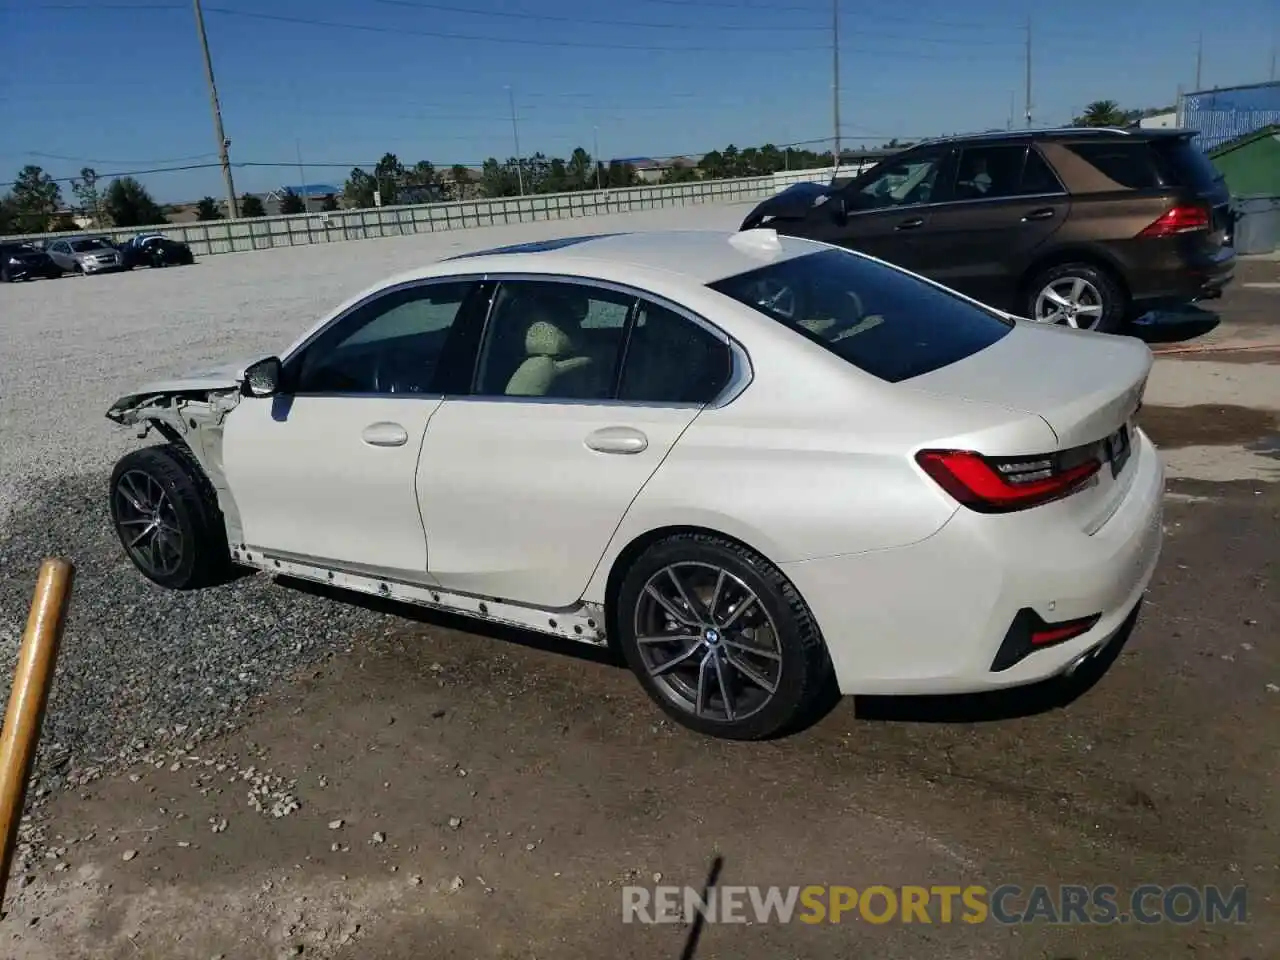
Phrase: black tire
{"type": "Point", "coordinates": [4, 275]}
{"type": "Point", "coordinates": [189, 505]}
{"type": "Point", "coordinates": [805, 679]}
{"type": "Point", "coordinates": [1114, 303]}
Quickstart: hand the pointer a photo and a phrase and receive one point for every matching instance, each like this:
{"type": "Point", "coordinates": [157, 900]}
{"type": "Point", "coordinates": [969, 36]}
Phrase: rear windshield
{"type": "Point", "coordinates": [1183, 164]}
{"type": "Point", "coordinates": [878, 318]}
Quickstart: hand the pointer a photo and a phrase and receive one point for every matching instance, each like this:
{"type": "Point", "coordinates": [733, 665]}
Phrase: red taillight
{"type": "Point", "coordinates": [1181, 219]}
{"type": "Point", "coordinates": [1061, 632]}
{"type": "Point", "coordinates": [1002, 485]}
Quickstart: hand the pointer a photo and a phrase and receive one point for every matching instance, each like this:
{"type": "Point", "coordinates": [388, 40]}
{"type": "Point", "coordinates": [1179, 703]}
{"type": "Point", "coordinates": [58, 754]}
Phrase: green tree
{"type": "Point", "coordinates": [1102, 113]}
{"type": "Point", "coordinates": [291, 202]}
{"type": "Point", "coordinates": [35, 199]}
{"type": "Point", "coordinates": [89, 198]}
{"type": "Point", "coordinates": [8, 220]}
{"type": "Point", "coordinates": [357, 192]}
{"type": "Point", "coordinates": [581, 171]}
{"type": "Point", "coordinates": [679, 174]}
{"type": "Point", "coordinates": [207, 209]}
{"type": "Point", "coordinates": [499, 179]}
{"type": "Point", "coordinates": [460, 178]}
{"type": "Point", "coordinates": [713, 166]}
{"type": "Point", "coordinates": [622, 175]}
{"type": "Point", "coordinates": [127, 203]}
{"type": "Point", "coordinates": [330, 203]}
{"type": "Point", "coordinates": [251, 206]}
{"type": "Point", "coordinates": [389, 173]}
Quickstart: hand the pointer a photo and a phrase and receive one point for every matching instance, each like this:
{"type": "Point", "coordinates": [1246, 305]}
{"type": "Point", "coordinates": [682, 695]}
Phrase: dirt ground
{"type": "Point", "coordinates": [473, 796]}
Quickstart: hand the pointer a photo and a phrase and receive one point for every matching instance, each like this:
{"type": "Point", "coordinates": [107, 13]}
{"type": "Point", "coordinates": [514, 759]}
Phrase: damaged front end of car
{"type": "Point", "coordinates": [190, 412]}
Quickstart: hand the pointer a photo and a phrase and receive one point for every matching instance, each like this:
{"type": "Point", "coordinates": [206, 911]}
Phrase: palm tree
{"type": "Point", "coordinates": [1102, 113]}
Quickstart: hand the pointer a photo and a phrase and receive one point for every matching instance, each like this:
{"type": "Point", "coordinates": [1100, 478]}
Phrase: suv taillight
{"type": "Point", "coordinates": [1184, 218]}
{"type": "Point", "coordinates": [1006, 484]}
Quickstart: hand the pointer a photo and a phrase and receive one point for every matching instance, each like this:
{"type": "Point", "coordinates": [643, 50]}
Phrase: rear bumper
{"type": "Point", "coordinates": [1185, 280]}
{"type": "Point", "coordinates": [931, 617]}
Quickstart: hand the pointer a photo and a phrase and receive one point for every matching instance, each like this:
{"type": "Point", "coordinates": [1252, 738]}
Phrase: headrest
{"type": "Point", "coordinates": [545, 339]}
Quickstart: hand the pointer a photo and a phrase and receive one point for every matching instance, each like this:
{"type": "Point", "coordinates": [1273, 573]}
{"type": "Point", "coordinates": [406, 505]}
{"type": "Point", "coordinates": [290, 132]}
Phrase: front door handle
{"type": "Point", "coordinates": [385, 434]}
{"type": "Point", "coordinates": [1044, 213]}
{"type": "Point", "coordinates": [910, 224]}
{"type": "Point", "coordinates": [617, 440]}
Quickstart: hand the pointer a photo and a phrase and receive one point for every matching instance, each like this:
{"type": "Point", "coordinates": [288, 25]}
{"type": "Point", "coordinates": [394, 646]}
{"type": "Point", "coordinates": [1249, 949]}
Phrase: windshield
{"type": "Point", "coordinates": [882, 320]}
{"type": "Point", "coordinates": [80, 246]}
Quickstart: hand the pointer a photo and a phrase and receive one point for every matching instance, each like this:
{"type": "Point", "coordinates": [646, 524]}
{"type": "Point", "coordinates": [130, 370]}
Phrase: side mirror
{"type": "Point", "coordinates": [262, 379]}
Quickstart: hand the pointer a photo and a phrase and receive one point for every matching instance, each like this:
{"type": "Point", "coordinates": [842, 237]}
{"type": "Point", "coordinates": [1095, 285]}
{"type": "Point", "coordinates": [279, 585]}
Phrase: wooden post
{"type": "Point", "coordinates": [31, 682]}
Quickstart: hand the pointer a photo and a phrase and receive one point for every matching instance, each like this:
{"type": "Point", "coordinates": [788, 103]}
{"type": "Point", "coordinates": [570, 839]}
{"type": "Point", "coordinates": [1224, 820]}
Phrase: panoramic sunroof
{"type": "Point", "coordinates": [534, 246]}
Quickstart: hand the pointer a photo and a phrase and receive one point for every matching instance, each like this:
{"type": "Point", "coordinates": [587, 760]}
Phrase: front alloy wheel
{"type": "Point", "coordinates": [166, 515]}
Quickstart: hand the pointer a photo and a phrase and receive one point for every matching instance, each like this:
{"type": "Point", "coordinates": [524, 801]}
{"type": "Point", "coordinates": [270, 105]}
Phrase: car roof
{"type": "Point", "coordinates": [700, 256]}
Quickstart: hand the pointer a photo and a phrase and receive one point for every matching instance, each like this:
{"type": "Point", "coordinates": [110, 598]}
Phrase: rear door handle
{"type": "Point", "coordinates": [1044, 213]}
{"type": "Point", "coordinates": [385, 434]}
{"type": "Point", "coordinates": [617, 440]}
{"type": "Point", "coordinates": [910, 224]}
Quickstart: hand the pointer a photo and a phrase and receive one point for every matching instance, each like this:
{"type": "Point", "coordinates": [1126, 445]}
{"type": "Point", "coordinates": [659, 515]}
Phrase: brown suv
{"type": "Point", "coordinates": [1089, 227]}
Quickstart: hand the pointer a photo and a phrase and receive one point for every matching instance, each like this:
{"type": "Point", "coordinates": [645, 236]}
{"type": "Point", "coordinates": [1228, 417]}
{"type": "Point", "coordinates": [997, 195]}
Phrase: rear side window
{"type": "Point", "coordinates": [1183, 164]}
{"type": "Point", "coordinates": [880, 319]}
{"type": "Point", "coordinates": [1128, 164]}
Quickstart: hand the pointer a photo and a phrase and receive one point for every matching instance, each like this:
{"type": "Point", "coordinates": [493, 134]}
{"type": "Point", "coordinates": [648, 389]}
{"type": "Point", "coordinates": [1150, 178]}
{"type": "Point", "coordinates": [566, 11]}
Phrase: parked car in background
{"type": "Point", "coordinates": [25, 261]}
{"type": "Point", "coordinates": [85, 254]}
{"type": "Point", "coordinates": [155, 250]}
{"type": "Point", "coordinates": [1086, 227]}
{"type": "Point", "coordinates": [758, 466]}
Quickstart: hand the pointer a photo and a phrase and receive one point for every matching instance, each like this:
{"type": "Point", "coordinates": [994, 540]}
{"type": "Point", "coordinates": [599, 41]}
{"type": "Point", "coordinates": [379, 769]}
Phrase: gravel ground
{"type": "Point", "coordinates": [141, 665]}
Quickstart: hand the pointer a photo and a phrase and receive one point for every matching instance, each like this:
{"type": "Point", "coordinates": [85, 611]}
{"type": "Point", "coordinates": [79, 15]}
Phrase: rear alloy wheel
{"type": "Point", "coordinates": [167, 518]}
{"type": "Point", "coordinates": [720, 639]}
{"type": "Point", "coordinates": [1076, 295]}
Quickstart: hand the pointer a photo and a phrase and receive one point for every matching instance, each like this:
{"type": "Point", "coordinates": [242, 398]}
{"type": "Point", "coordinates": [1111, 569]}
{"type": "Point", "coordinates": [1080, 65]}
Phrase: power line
{"type": "Point", "coordinates": [552, 18]}
{"type": "Point", "coordinates": [575, 44]}
{"type": "Point", "coordinates": [58, 156]}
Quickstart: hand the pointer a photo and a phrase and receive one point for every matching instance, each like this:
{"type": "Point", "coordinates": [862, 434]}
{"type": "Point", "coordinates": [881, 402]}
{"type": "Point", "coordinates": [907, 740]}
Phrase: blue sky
{"type": "Point", "coordinates": [119, 84]}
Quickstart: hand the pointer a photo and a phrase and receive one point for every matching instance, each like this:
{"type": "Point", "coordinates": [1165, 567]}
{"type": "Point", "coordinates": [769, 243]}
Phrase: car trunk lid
{"type": "Point", "coordinates": [1087, 387]}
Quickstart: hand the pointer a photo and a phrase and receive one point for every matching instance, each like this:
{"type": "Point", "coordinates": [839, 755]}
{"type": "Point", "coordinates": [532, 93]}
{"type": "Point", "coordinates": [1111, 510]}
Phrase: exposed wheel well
{"type": "Point", "coordinates": [1059, 258]}
{"type": "Point", "coordinates": [622, 563]}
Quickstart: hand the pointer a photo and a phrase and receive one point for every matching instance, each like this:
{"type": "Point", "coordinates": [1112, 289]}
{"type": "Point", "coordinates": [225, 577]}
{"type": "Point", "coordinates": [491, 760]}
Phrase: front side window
{"type": "Point", "coordinates": [880, 319]}
{"type": "Point", "coordinates": [390, 344]}
{"type": "Point", "coordinates": [901, 182]}
{"type": "Point", "coordinates": [670, 359]}
{"type": "Point", "coordinates": [553, 340]}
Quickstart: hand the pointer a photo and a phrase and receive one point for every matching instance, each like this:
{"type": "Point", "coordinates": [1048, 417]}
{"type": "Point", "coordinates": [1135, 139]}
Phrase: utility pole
{"type": "Point", "coordinates": [515, 132]}
{"type": "Point", "coordinates": [233, 207]}
{"type": "Point", "coordinates": [595, 152]}
{"type": "Point", "coordinates": [835, 84]}
{"type": "Point", "coordinates": [1199, 57]}
{"type": "Point", "coordinates": [1028, 91]}
{"type": "Point", "coordinates": [302, 179]}
{"type": "Point", "coordinates": [1012, 96]}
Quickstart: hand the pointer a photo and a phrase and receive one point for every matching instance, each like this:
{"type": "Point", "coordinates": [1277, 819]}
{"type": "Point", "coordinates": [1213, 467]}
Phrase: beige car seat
{"type": "Point", "coordinates": [552, 357]}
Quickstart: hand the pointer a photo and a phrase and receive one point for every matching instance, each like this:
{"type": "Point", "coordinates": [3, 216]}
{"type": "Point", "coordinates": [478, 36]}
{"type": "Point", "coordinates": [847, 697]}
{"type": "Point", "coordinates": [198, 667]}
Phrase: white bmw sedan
{"type": "Point", "coordinates": [760, 467]}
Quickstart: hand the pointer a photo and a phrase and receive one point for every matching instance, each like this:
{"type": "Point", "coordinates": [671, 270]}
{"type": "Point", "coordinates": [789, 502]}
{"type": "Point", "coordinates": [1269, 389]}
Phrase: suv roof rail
{"type": "Point", "coordinates": [1037, 132]}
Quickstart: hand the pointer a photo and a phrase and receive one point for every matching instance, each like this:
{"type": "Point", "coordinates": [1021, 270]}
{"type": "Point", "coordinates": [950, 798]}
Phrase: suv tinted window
{"type": "Point", "coordinates": [1128, 164]}
{"type": "Point", "coordinates": [880, 319]}
{"type": "Point", "coordinates": [901, 181]}
{"type": "Point", "coordinates": [989, 172]}
{"type": "Point", "coordinates": [1038, 176]}
{"type": "Point", "coordinates": [670, 359]}
{"type": "Point", "coordinates": [1183, 164]}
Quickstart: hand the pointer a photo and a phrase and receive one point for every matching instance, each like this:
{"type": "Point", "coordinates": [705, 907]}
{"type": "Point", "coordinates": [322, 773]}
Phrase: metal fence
{"type": "Point", "coordinates": [210, 237]}
{"type": "Point", "coordinates": [1224, 115]}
